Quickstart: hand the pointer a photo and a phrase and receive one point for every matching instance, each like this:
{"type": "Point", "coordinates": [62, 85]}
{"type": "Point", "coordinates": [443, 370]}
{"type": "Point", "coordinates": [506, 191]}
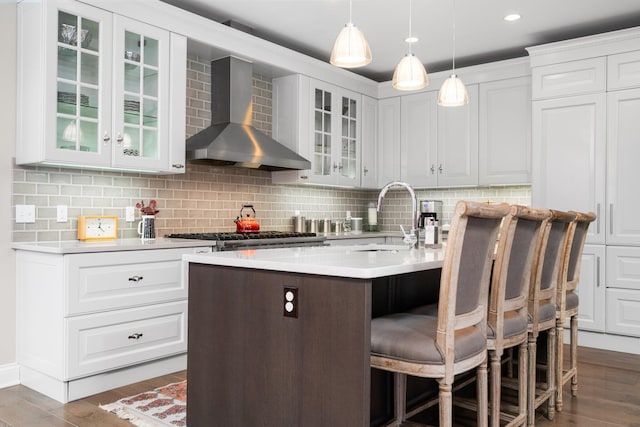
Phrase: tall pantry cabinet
{"type": "Point", "coordinates": [586, 144]}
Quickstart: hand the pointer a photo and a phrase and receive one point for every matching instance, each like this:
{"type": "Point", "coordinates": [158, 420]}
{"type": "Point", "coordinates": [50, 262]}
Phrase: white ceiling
{"type": "Point", "coordinates": [310, 26]}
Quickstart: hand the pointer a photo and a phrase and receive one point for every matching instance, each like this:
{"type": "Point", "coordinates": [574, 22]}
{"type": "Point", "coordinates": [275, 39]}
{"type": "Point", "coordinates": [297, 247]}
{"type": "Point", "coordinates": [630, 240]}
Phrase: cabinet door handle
{"type": "Point", "coordinates": [135, 336]}
{"type": "Point", "coordinates": [611, 218]}
{"type": "Point", "coordinates": [340, 167]}
{"type": "Point", "coordinates": [440, 168]}
{"type": "Point", "coordinates": [304, 176]}
{"type": "Point", "coordinates": [135, 278]}
{"type": "Point", "coordinates": [366, 171]}
{"type": "Point", "coordinates": [433, 169]}
{"type": "Point", "coordinates": [106, 138]}
{"type": "Point", "coordinates": [119, 139]}
{"type": "Point", "coordinates": [597, 272]}
{"type": "Point", "coordinates": [335, 166]}
{"type": "Point", "coordinates": [598, 218]}
{"type": "Point", "coordinates": [177, 166]}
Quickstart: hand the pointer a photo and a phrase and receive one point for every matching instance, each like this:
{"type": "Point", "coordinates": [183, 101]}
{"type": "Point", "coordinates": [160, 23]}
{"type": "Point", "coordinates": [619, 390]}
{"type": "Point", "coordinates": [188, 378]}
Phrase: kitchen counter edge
{"type": "Point", "coordinates": [79, 247]}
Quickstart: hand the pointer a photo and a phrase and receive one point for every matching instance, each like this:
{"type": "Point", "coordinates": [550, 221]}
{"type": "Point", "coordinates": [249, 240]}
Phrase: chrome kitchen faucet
{"type": "Point", "coordinates": [412, 237]}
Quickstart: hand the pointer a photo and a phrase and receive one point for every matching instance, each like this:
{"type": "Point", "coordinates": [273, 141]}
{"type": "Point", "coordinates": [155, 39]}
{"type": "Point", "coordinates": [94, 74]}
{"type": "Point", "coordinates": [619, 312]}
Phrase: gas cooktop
{"type": "Point", "coordinates": [241, 236]}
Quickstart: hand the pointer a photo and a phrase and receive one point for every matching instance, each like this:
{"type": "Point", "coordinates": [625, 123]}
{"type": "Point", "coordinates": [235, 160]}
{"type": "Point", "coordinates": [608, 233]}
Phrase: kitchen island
{"type": "Point", "coordinates": [281, 337]}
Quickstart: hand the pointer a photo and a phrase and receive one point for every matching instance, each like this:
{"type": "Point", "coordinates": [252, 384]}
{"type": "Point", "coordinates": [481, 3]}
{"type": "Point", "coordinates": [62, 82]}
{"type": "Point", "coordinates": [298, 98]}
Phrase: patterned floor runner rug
{"type": "Point", "coordinates": [164, 406]}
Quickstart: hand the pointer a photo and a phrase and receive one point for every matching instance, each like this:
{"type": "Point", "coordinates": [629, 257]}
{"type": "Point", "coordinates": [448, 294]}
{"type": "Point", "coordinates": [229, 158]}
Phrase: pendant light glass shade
{"type": "Point", "coordinates": [453, 92]}
{"type": "Point", "coordinates": [410, 74]}
{"type": "Point", "coordinates": [350, 49]}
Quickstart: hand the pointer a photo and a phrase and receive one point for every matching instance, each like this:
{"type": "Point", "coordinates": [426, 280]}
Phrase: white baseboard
{"type": "Point", "coordinates": [624, 344]}
{"type": "Point", "coordinates": [9, 375]}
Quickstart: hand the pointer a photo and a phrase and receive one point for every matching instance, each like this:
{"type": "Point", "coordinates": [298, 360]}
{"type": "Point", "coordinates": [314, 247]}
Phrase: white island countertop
{"type": "Point", "coordinates": [78, 247]}
{"type": "Point", "coordinates": [357, 261]}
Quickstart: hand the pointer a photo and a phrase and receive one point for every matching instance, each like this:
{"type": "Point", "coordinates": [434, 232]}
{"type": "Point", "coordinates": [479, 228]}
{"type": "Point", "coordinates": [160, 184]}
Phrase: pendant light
{"type": "Point", "coordinates": [453, 93]}
{"type": "Point", "coordinates": [410, 74]}
{"type": "Point", "coordinates": [351, 49]}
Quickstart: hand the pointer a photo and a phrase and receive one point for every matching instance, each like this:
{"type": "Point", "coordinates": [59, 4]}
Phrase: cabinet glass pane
{"type": "Point", "coordinates": [352, 129]}
{"type": "Point", "coordinates": [132, 42]}
{"type": "Point", "coordinates": [318, 121]}
{"type": "Point", "coordinates": [352, 108]}
{"type": "Point", "coordinates": [150, 82]}
{"type": "Point", "coordinates": [67, 133]}
{"type": "Point", "coordinates": [89, 102]}
{"type": "Point", "coordinates": [131, 110]}
{"type": "Point", "coordinates": [150, 51]}
{"type": "Point", "coordinates": [318, 103]}
{"type": "Point", "coordinates": [317, 164]}
{"type": "Point", "coordinates": [327, 101]}
{"type": "Point", "coordinates": [89, 68]}
{"type": "Point", "coordinates": [67, 98]}
{"type": "Point", "coordinates": [327, 122]}
{"type": "Point", "coordinates": [131, 78]}
{"type": "Point", "coordinates": [150, 145]}
{"type": "Point", "coordinates": [345, 106]}
{"type": "Point", "coordinates": [89, 136]}
{"type": "Point", "coordinates": [90, 34]}
{"type": "Point", "coordinates": [67, 63]}
{"type": "Point", "coordinates": [345, 127]}
{"type": "Point", "coordinates": [150, 115]}
{"type": "Point", "coordinates": [131, 141]}
{"type": "Point", "coordinates": [67, 25]}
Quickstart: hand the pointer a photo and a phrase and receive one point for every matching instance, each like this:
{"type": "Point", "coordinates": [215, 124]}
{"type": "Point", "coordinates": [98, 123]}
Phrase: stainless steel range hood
{"type": "Point", "coordinates": [231, 140]}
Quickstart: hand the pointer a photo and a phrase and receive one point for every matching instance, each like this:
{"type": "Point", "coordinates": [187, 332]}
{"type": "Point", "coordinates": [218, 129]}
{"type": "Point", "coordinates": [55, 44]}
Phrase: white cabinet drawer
{"type": "Point", "coordinates": [623, 311]}
{"type": "Point", "coordinates": [113, 280]}
{"type": "Point", "coordinates": [569, 78]}
{"type": "Point", "coordinates": [623, 267]}
{"type": "Point", "coordinates": [623, 70]}
{"type": "Point", "coordinates": [104, 341]}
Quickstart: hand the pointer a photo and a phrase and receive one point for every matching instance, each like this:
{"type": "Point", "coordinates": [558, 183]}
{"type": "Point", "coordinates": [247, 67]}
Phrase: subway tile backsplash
{"type": "Point", "coordinates": [208, 198]}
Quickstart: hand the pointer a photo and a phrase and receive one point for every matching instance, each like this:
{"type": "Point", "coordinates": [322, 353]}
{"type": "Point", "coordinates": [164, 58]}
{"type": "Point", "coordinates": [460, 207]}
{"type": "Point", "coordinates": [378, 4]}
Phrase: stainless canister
{"type": "Point", "coordinates": [298, 224]}
{"type": "Point", "coordinates": [325, 226]}
{"type": "Point", "coordinates": [337, 227]}
{"type": "Point", "coordinates": [356, 225]}
{"type": "Point", "coordinates": [312, 226]}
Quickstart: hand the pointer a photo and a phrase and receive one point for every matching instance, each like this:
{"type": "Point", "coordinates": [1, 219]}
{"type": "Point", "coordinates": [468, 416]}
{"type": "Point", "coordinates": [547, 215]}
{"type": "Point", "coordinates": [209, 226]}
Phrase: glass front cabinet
{"type": "Point", "coordinates": [97, 90]}
{"type": "Point", "coordinates": [322, 123]}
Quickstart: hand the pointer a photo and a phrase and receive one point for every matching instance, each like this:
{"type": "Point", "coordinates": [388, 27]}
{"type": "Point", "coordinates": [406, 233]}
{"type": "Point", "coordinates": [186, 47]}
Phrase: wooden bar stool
{"type": "Point", "coordinates": [455, 340]}
{"type": "Point", "coordinates": [567, 307]}
{"type": "Point", "coordinates": [542, 311]}
{"type": "Point", "coordinates": [523, 230]}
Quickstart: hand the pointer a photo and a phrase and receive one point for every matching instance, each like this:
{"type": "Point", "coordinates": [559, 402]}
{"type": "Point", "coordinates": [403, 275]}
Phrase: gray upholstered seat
{"type": "Point", "coordinates": [454, 341]}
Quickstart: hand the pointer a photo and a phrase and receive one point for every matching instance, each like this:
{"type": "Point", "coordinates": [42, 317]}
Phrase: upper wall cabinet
{"type": "Point", "coordinates": [569, 78]}
{"type": "Point", "coordinates": [439, 145]}
{"type": "Point", "coordinates": [98, 90]}
{"type": "Point", "coordinates": [505, 132]}
{"type": "Point", "coordinates": [389, 123]}
{"type": "Point", "coordinates": [322, 123]}
{"type": "Point", "coordinates": [369, 173]}
{"type": "Point", "coordinates": [623, 70]}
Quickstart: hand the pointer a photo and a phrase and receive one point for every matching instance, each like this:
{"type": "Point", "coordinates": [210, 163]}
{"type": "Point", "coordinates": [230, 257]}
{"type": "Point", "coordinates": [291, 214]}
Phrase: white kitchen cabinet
{"type": "Point", "coordinates": [591, 289]}
{"type": "Point", "coordinates": [569, 78]}
{"type": "Point", "coordinates": [623, 70]}
{"type": "Point", "coordinates": [419, 139]}
{"type": "Point", "coordinates": [623, 312]}
{"type": "Point", "coordinates": [504, 154]}
{"type": "Point", "coordinates": [569, 149]}
{"type": "Point", "coordinates": [93, 321]}
{"type": "Point", "coordinates": [369, 171]}
{"type": "Point", "coordinates": [623, 173]}
{"type": "Point", "coordinates": [439, 145]}
{"type": "Point", "coordinates": [458, 143]}
{"type": "Point", "coordinates": [326, 122]}
{"type": "Point", "coordinates": [98, 90]}
{"type": "Point", "coordinates": [388, 140]}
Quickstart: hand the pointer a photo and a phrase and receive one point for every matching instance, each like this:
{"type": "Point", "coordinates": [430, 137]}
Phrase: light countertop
{"type": "Point", "coordinates": [78, 247]}
{"type": "Point", "coordinates": [354, 261]}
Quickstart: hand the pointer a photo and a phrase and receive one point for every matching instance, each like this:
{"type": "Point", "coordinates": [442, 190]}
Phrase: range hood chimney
{"type": "Point", "coordinates": [231, 139]}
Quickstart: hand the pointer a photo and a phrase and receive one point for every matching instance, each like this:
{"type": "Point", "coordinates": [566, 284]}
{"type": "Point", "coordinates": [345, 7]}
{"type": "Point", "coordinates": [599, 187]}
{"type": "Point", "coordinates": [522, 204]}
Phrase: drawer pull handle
{"type": "Point", "coordinates": [135, 278]}
{"type": "Point", "coordinates": [135, 336]}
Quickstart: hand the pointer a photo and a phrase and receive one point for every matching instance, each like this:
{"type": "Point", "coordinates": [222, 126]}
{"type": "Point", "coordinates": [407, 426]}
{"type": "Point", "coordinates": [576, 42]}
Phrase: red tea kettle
{"type": "Point", "coordinates": [246, 222]}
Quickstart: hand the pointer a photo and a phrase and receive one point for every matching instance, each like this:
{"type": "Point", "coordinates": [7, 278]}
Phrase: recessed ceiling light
{"type": "Point", "coordinates": [411, 39]}
{"type": "Point", "coordinates": [511, 17]}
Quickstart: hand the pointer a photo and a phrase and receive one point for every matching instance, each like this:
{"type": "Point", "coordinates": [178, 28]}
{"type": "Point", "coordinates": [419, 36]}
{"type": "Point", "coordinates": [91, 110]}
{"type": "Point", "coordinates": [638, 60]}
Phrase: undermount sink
{"type": "Point", "coordinates": [381, 248]}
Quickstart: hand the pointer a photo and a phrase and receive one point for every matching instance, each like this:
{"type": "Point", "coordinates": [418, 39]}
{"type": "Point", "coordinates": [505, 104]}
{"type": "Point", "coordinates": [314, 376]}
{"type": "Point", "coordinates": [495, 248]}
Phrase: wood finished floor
{"type": "Point", "coordinates": [608, 396]}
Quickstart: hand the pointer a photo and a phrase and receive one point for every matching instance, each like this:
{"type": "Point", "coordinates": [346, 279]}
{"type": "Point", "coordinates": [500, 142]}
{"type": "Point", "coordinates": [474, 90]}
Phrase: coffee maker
{"type": "Point", "coordinates": [429, 209]}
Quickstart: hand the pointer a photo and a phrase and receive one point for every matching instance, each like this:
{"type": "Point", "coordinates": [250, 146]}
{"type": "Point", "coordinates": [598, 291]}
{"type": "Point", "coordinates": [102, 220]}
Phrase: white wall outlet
{"type": "Point", "coordinates": [25, 214]}
{"type": "Point", "coordinates": [61, 213]}
{"type": "Point", "coordinates": [130, 214]}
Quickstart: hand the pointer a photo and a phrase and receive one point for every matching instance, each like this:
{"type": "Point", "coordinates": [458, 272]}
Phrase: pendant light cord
{"type": "Point", "coordinates": [410, 15]}
{"type": "Point", "coordinates": [454, 36]}
{"type": "Point", "coordinates": [350, 7]}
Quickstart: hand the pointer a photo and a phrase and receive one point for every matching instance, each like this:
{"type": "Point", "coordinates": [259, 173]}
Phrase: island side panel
{"type": "Point", "coordinates": [248, 364]}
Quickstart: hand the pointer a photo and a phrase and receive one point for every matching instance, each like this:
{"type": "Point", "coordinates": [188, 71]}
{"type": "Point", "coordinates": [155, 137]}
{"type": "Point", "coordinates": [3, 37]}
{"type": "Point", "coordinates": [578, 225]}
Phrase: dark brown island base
{"type": "Point", "coordinates": [270, 345]}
